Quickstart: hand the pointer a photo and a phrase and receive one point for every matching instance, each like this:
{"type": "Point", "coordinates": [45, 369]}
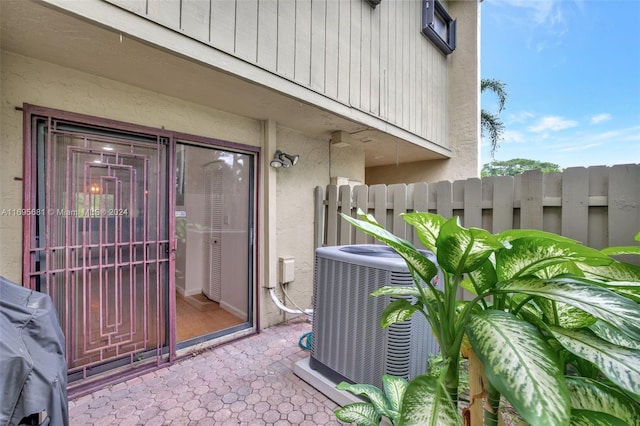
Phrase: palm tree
{"type": "Point", "coordinates": [491, 124]}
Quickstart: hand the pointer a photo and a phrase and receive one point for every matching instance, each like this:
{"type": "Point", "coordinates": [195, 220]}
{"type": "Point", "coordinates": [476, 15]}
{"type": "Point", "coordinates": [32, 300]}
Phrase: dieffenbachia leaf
{"type": "Point", "coordinates": [463, 250]}
{"type": "Point", "coordinates": [611, 334]}
{"type": "Point", "coordinates": [394, 388]}
{"type": "Point", "coordinates": [417, 261]}
{"type": "Point", "coordinates": [592, 418]}
{"type": "Point", "coordinates": [521, 366]}
{"type": "Point", "coordinates": [591, 395]}
{"type": "Point", "coordinates": [397, 311]}
{"type": "Point", "coordinates": [375, 395]}
{"type": "Point", "coordinates": [360, 413]}
{"type": "Point", "coordinates": [567, 316]}
{"type": "Point", "coordinates": [427, 403]}
{"type": "Point", "coordinates": [529, 255]}
{"type": "Point", "coordinates": [427, 226]}
{"type": "Point", "coordinates": [611, 251]}
{"type": "Point", "coordinates": [600, 302]}
{"type": "Point", "coordinates": [621, 365]}
{"type": "Point", "coordinates": [516, 234]}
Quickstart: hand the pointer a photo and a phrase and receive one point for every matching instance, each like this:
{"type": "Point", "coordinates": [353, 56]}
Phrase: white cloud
{"type": "Point", "coordinates": [519, 117]}
{"type": "Point", "coordinates": [552, 123]}
{"type": "Point", "coordinates": [599, 118]}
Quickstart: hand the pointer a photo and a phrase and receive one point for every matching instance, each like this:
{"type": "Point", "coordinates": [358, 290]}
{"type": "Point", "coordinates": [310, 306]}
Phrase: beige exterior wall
{"type": "Point", "coordinates": [27, 80]}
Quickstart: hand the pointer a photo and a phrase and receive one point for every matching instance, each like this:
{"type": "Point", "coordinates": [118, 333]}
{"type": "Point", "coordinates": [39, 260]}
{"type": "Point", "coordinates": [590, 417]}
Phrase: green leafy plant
{"type": "Point", "coordinates": [555, 324]}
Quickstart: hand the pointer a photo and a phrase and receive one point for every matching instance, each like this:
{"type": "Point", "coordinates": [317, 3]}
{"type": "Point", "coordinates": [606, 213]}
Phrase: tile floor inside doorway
{"type": "Point", "coordinates": [196, 315]}
{"type": "Point", "coordinates": [246, 382]}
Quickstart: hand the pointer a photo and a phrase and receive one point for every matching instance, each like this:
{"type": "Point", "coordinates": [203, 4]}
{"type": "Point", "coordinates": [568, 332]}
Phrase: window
{"type": "Point", "coordinates": [438, 26]}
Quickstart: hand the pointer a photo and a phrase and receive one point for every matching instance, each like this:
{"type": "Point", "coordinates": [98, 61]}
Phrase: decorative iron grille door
{"type": "Point", "coordinates": [99, 245]}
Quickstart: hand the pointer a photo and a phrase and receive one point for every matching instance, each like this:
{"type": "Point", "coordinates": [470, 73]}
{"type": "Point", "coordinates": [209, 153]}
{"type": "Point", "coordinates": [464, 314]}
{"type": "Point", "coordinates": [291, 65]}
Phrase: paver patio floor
{"type": "Point", "coordinates": [246, 382]}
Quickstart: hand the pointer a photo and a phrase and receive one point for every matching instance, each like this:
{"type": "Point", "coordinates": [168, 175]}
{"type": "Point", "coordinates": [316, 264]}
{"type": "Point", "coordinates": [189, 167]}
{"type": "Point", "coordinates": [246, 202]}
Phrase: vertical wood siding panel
{"type": "Point", "coordinates": [319, 217]}
{"type": "Point", "coordinates": [331, 32]}
{"type": "Point", "coordinates": [365, 57]}
{"type": "Point", "coordinates": [392, 56]}
{"type": "Point", "coordinates": [384, 63]}
{"type": "Point", "coordinates": [303, 42]}
{"type": "Point", "coordinates": [195, 18]}
{"type": "Point", "coordinates": [407, 72]}
{"type": "Point", "coordinates": [624, 204]}
{"type": "Point", "coordinates": [268, 34]}
{"type": "Point", "coordinates": [412, 36]}
{"type": "Point", "coordinates": [247, 29]}
{"type": "Point", "coordinates": [355, 67]}
{"type": "Point", "coordinates": [223, 24]}
{"type": "Point", "coordinates": [166, 12]}
{"type": "Point", "coordinates": [286, 37]}
{"type": "Point", "coordinates": [318, 46]}
{"type": "Point", "coordinates": [375, 73]}
{"type": "Point", "coordinates": [398, 84]}
{"type": "Point", "coordinates": [598, 217]}
{"type": "Point", "coordinates": [344, 51]}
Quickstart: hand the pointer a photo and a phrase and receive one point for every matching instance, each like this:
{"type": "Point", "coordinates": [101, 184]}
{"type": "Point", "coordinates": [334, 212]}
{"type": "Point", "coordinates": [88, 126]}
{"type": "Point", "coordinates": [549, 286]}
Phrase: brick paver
{"type": "Point", "coordinates": [248, 382]}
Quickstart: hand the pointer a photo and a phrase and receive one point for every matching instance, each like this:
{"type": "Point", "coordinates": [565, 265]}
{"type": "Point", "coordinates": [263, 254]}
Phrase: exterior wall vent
{"type": "Point", "coordinates": [348, 342]}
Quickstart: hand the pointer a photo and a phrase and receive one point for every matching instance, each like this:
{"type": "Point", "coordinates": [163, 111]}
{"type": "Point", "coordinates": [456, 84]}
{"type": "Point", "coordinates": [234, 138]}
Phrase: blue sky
{"type": "Point", "coordinates": [572, 69]}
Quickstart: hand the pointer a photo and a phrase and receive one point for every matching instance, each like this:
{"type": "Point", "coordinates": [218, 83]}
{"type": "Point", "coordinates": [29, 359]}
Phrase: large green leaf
{"type": "Point", "coordinates": [405, 291]}
{"type": "Point", "coordinates": [427, 403]}
{"type": "Point", "coordinates": [397, 311]}
{"type": "Point", "coordinates": [600, 302]}
{"type": "Point", "coordinates": [484, 277]}
{"type": "Point", "coordinates": [592, 418]}
{"type": "Point", "coordinates": [621, 365]}
{"type": "Point", "coordinates": [529, 255]}
{"type": "Point", "coordinates": [588, 394]}
{"type": "Point", "coordinates": [415, 260]}
{"type": "Point", "coordinates": [567, 316]}
{"type": "Point", "coordinates": [614, 271]}
{"type": "Point", "coordinates": [360, 413]}
{"type": "Point", "coordinates": [375, 395]}
{"type": "Point", "coordinates": [621, 250]}
{"type": "Point", "coordinates": [516, 234]}
{"type": "Point", "coordinates": [611, 334]}
{"type": "Point", "coordinates": [394, 388]}
{"type": "Point", "coordinates": [427, 226]}
{"type": "Point", "coordinates": [521, 366]}
{"type": "Point", "coordinates": [463, 250]}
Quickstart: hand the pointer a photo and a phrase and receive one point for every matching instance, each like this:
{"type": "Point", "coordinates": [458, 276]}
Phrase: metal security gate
{"type": "Point", "coordinates": [98, 241]}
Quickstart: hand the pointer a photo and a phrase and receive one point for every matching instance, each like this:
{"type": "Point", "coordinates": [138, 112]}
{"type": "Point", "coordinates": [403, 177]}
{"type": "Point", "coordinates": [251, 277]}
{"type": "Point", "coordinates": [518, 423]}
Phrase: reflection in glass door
{"type": "Point", "coordinates": [214, 222]}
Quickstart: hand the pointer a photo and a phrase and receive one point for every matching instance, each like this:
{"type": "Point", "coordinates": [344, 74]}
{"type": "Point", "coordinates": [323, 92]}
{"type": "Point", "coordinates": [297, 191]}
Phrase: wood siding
{"type": "Point", "coordinates": [598, 206]}
{"type": "Point", "coordinates": [374, 60]}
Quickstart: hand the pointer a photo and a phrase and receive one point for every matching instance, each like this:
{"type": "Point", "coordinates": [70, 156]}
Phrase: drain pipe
{"type": "Point", "coordinates": [284, 308]}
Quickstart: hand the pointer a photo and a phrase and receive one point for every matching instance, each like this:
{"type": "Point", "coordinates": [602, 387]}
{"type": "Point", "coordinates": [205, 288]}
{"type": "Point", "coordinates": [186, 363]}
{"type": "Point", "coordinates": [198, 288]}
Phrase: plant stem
{"type": "Point", "coordinates": [492, 413]}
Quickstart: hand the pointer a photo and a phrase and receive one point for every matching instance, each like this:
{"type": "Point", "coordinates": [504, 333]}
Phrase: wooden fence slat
{"type": "Point", "coordinates": [398, 193]}
{"type": "Point", "coordinates": [444, 190]}
{"type": "Point", "coordinates": [473, 203]}
{"type": "Point", "coordinates": [318, 235]}
{"type": "Point", "coordinates": [575, 203]}
{"type": "Point", "coordinates": [503, 199]}
{"type": "Point", "coordinates": [345, 203]}
{"type": "Point", "coordinates": [362, 202]}
{"type": "Point", "coordinates": [332, 217]}
{"type": "Point", "coordinates": [531, 200]}
{"type": "Point", "coordinates": [599, 206]}
{"type": "Point", "coordinates": [624, 204]}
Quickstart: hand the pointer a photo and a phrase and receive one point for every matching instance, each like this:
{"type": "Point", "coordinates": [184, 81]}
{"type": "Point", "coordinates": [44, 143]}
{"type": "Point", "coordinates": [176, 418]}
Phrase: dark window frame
{"type": "Point", "coordinates": [433, 11]}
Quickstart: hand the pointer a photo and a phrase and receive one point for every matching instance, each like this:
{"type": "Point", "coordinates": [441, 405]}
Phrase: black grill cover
{"type": "Point", "coordinates": [33, 370]}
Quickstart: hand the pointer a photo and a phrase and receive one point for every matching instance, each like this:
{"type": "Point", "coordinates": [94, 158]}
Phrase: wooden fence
{"type": "Point", "coordinates": [599, 206]}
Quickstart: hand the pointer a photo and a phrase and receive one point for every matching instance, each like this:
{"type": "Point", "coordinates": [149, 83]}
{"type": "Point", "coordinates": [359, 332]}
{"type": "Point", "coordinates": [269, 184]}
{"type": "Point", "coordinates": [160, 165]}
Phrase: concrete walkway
{"type": "Point", "coordinates": [248, 382]}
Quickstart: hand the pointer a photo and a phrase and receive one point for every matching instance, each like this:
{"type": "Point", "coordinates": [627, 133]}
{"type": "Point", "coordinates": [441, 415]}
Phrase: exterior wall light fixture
{"type": "Point", "coordinates": [281, 159]}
